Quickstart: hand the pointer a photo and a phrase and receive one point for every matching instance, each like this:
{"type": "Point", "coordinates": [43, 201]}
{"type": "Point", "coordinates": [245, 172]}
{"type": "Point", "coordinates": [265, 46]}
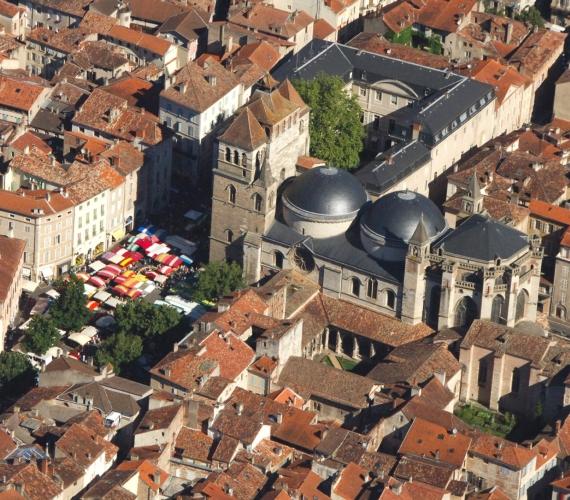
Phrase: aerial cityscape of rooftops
{"type": "Point", "coordinates": [285, 249]}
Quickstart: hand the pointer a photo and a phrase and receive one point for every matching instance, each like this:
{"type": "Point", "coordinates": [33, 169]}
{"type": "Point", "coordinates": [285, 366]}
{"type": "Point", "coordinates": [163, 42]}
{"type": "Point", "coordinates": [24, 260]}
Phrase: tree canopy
{"type": "Point", "coordinates": [16, 373]}
{"type": "Point", "coordinates": [144, 319]}
{"type": "Point", "coordinates": [119, 350]}
{"type": "Point", "coordinates": [69, 311]}
{"type": "Point", "coordinates": [335, 127]}
{"type": "Point", "coordinates": [41, 335]}
{"type": "Point", "coordinates": [531, 16]}
{"type": "Point", "coordinates": [218, 279]}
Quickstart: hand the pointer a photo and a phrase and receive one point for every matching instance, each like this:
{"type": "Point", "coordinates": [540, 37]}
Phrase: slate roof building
{"type": "Point", "coordinates": [413, 113]}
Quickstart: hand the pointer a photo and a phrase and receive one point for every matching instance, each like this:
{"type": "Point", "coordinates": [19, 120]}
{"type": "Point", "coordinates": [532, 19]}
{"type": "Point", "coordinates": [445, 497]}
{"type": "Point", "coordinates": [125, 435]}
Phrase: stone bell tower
{"type": "Point", "coordinates": [415, 275]}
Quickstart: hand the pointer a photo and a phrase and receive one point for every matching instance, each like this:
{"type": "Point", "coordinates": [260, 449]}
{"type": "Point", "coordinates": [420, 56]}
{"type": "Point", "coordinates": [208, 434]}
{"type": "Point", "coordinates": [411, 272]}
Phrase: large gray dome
{"type": "Point", "coordinates": [395, 217]}
{"type": "Point", "coordinates": [326, 192]}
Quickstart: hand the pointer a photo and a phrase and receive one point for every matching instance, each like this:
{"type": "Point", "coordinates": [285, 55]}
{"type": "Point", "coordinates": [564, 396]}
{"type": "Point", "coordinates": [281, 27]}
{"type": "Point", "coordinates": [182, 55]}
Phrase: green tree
{"type": "Point", "coordinates": [531, 16]}
{"type": "Point", "coordinates": [335, 128]}
{"type": "Point", "coordinates": [144, 319]}
{"type": "Point", "coordinates": [69, 311]}
{"type": "Point", "coordinates": [218, 279]}
{"type": "Point", "coordinates": [119, 350]}
{"type": "Point", "coordinates": [41, 335]}
{"type": "Point", "coordinates": [404, 37]}
{"type": "Point", "coordinates": [435, 46]}
{"type": "Point", "coordinates": [16, 373]}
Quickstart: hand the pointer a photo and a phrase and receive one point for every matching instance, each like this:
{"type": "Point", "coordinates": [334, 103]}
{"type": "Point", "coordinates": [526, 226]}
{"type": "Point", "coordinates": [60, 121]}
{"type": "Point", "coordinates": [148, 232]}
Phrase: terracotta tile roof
{"type": "Point", "coordinates": [244, 480]}
{"type": "Point", "coordinates": [65, 40]}
{"type": "Point", "coordinates": [245, 413]}
{"type": "Point", "coordinates": [19, 94]}
{"type": "Point", "coordinates": [198, 87]}
{"type": "Point", "coordinates": [11, 253]}
{"type": "Point", "coordinates": [188, 25]}
{"type": "Point", "coordinates": [153, 44]}
{"type": "Point", "coordinates": [268, 19]}
{"type": "Point", "coordinates": [263, 366]}
{"type": "Point", "coordinates": [351, 481]}
{"type": "Point", "coordinates": [549, 212]}
{"type": "Point", "coordinates": [504, 340]}
{"type": "Point", "coordinates": [158, 418]}
{"type": "Point", "coordinates": [374, 42]}
{"type": "Point", "coordinates": [502, 77]}
{"type": "Point", "coordinates": [270, 109]}
{"type": "Point", "coordinates": [124, 157]}
{"type": "Point", "coordinates": [434, 441]}
{"type": "Point", "coordinates": [445, 15]}
{"type": "Point", "coordinates": [98, 54]}
{"type": "Point", "coordinates": [35, 396]}
{"type": "Point", "coordinates": [37, 486]}
{"type": "Point", "coordinates": [223, 355]}
{"type": "Point", "coordinates": [262, 53]}
{"type": "Point", "coordinates": [399, 15]}
{"type": "Point", "coordinates": [184, 368]}
{"type": "Point", "coordinates": [289, 397]}
{"type": "Point", "coordinates": [7, 444]}
{"type": "Point", "coordinates": [537, 51]}
{"type": "Point", "coordinates": [244, 132]}
{"type": "Point", "coordinates": [322, 381]}
{"type": "Point", "coordinates": [308, 162]}
{"type": "Point", "coordinates": [136, 91]}
{"type": "Point", "coordinates": [8, 9]}
{"type": "Point", "coordinates": [194, 445]}
{"type": "Point", "coordinates": [425, 470]}
{"type": "Point", "coordinates": [154, 477]}
{"type": "Point", "coordinates": [267, 455]}
{"type": "Point", "coordinates": [420, 407]}
{"type": "Point", "coordinates": [65, 363]}
{"type": "Point", "coordinates": [84, 446]}
{"type": "Point", "coordinates": [322, 29]}
{"type": "Point", "coordinates": [236, 317]}
{"type": "Point", "coordinates": [299, 479]}
{"type": "Point", "coordinates": [415, 363]}
{"type": "Point", "coordinates": [156, 11]}
{"type": "Point", "coordinates": [495, 448]}
{"type": "Point", "coordinates": [232, 354]}
{"type": "Point", "coordinates": [96, 22]}
{"type": "Point", "coordinates": [110, 486]}
{"type": "Point", "coordinates": [343, 446]}
{"type": "Point", "coordinates": [361, 321]}
{"type": "Point", "coordinates": [28, 140]}
{"type": "Point", "coordinates": [398, 490]}
{"type": "Point", "coordinates": [112, 115]}
{"type": "Point", "coordinates": [34, 204]}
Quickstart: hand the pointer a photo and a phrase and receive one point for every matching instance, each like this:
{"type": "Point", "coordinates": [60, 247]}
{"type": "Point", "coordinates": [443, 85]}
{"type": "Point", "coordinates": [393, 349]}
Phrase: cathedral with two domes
{"type": "Point", "coordinates": [395, 255]}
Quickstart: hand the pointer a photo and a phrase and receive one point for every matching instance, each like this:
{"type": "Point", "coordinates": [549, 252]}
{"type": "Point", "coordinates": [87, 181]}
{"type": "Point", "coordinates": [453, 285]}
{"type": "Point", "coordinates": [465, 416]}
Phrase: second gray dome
{"type": "Point", "coordinates": [326, 192]}
{"type": "Point", "coordinates": [395, 217]}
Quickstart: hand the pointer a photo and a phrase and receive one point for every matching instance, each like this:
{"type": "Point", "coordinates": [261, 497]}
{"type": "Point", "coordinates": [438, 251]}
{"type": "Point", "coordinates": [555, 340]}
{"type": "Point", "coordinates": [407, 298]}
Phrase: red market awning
{"type": "Point", "coordinates": [165, 270]}
{"type": "Point", "coordinates": [97, 281]}
{"type": "Point", "coordinates": [143, 243]}
{"type": "Point", "coordinates": [120, 290]}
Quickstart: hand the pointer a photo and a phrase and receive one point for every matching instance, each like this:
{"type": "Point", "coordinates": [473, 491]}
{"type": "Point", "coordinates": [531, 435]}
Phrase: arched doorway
{"type": "Point", "coordinates": [522, 300]}
{"type": "Point", "coordinates": [465, 312]}
{"type": "Point", "coordinates": [561, 312]}
{"type": "Point", "coordinates": [497, 309]}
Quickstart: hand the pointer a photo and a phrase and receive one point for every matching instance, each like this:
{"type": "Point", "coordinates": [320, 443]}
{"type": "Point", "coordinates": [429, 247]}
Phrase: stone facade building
{"type": "Point", "coordinates": [397, 255]}
{"type": "Point", "coordinates": [256, 153]}
{"type": "Point", "coordinates": [12, 255]}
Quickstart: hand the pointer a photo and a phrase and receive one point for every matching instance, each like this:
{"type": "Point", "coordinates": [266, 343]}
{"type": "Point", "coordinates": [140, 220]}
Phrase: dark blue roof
{"type": "Point", "coordinates": [344, 249]}
{"type": "Point", "coordinates": [485, 239]}
{"type": "Point", "coordinates": [326, 191]}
